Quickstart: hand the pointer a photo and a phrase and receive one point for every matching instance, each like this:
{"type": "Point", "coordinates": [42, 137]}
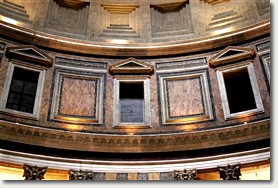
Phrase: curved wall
{"type": "Point", "coordinates": [96, 50]}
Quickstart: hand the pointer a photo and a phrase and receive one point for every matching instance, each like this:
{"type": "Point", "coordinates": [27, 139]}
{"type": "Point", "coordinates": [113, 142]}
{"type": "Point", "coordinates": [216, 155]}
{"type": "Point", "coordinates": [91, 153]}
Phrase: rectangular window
{"type": "Point", "coordinates": [239, 90]}
{"type": "Point", "coordinates": [22, 91]}
{"type": "Point", "coordinates": [132, 102]}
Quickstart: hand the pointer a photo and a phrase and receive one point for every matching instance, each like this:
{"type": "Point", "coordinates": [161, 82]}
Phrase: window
{"type": "Point", "coordinates": [132, 107]}
{"type": "Point", "coordinates": [239, 90]}
{"type": "Point", "coordinates": [22, 90]}
{"type": "Point", "coordinates": [131, 102]}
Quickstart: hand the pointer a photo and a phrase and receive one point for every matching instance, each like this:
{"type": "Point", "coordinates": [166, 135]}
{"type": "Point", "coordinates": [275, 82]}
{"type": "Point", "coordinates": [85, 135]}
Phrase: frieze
{"type": "Point", "coordinates": [117, 143]}
{"type": "Point", "coordinates": [80, 63]}
{"type": "Point", "coordinates": [180, 64]}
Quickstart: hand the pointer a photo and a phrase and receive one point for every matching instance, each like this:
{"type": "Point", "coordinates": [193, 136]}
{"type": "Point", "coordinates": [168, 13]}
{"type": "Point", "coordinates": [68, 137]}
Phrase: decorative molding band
{"type": "Point", "coordinates": [199, 164]}
{"type": "Point", "coordinates": [231, 54]}
{"type": "Point", "coordinates": [148, 49]}
{"type": "Point", "coordinates": [135, 143]}
{"type": "Point", "coordinates": [163, 66]}
{"type": "Point", "coordinates": [80, 63]}
{"type": "Point", "coordinates": [131, 66]}
{"type": "Point", "coordinates": [30, 53]}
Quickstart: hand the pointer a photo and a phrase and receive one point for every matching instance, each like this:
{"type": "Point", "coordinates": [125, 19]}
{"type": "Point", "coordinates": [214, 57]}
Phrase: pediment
{"type": "Point", "coordinates": [231, 54]}
{"type": "Point", "coordinates": [131, 66]}
{"type": "Point", "coordinates": [30, 53]}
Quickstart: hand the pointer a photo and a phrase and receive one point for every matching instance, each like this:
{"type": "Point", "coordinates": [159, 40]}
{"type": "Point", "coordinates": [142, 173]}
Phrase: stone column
{"type": "Point", "coordinates": [185, 175]}
{"type": "Point", "coordinates": [230, 172]}
{"type": "Point", "coordinates": [34, 172]}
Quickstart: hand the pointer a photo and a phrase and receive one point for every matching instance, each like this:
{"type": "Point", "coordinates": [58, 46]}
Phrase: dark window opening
{"type": "Point", "coordinates": [22, 92]}
{"type": "Point", "coordinates": [132, 102]}
{"type": "Point", "coordinates": [239, 91]}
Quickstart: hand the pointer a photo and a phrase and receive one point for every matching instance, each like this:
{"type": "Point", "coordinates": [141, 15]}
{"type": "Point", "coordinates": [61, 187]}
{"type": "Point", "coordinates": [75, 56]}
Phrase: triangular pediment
{"type": "Point", "coordinates": [30, 53]}
{"type": "Point", "coordinates": [131, 66]}
{"type": "Point", "coordinates": [231, 54]}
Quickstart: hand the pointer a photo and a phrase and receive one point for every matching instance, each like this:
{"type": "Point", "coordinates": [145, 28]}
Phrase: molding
{"type": "Point", "coordinates": [131, 66]}
{"type": "Point", "coordinates": [179, 65]}
{"type": "Point", "coordinates": [238, 54]}
{"type": "Point", "coordinates": [134, 50]}
{"type": "Point", "coordinates": [35, 55]}
{"type": "Point", "coordinates": [47, 137]}
{"type": "Point", "coordinates": [201, 164]}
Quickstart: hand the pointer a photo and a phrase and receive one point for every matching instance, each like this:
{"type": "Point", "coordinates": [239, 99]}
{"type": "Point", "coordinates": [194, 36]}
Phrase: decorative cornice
{"type": "Point", "coordinates": [135, 143]}
{"type": "Point", "coordinates": [231, 54]}
{"type": "Point", "coordinates": [30, 53]}
{"type": "Point", "coordinates": [134, 50]}
{"type": "Point", "coordinates": [131, 66]}
{"type": "Point", "coordinates": [213, 162]}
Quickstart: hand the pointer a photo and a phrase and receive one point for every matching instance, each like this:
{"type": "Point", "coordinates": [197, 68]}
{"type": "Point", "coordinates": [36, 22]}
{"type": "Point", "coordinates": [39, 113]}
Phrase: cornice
{"type": "Point", "coordinates": [135, 143]}
{"type": "Point", "coordinates": [137, 49]}
{"type": "Point", "coordinates": [245, 158]}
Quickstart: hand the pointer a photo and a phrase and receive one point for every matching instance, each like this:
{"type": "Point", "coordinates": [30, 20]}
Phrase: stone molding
{"type": "Point", "coordinates": [135, 50]}
{"type": "Point", "coordinates": [135, 143]}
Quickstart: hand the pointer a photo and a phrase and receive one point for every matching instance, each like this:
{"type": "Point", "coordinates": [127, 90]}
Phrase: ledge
{"type": "Point", "coordinates": [136, 49]}
{"type": "Point", "coordinates": [135, 143]}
